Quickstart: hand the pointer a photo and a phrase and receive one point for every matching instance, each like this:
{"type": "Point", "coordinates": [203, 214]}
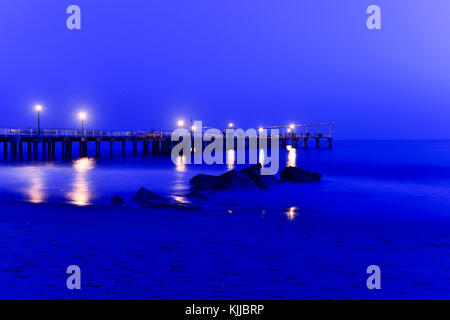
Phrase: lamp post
{"type": "Point", "coordinates": [231, 125]}
{"type": "Point", "coordinates": [38, 109]}
{"type": "Point", "coordinates": [82, 116]}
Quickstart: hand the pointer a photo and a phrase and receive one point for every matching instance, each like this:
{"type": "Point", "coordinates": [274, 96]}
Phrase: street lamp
{"type": "Point", "coordinates": [82, 116]}
{"type": "Point", "coordinates": [231, 125]}
{"type": "Point", "coordinates": [39, 109]}
{"type": "Point", "coordinates": [180, 123]}
{"type": "Point", "coordinates": [292, 128]}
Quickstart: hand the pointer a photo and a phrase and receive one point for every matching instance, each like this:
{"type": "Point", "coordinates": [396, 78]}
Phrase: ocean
{"type": "Point", "coordinates": [383, 203]}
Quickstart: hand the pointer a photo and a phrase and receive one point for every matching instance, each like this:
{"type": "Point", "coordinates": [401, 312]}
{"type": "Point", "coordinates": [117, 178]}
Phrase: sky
{"type": "Point", "coordinates": [144, 64]}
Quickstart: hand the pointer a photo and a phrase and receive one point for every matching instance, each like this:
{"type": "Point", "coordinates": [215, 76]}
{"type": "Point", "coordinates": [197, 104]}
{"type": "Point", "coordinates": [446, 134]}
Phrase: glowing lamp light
{"type": "Point", "coordinates": [82, 115]}
{"type": "Point", "coordinates": [289, 130]}
{"type": "Point", "coordinates": [180, 123]}
{"type": "Point", "coordinates": [260, 129]}
{"type": "Point", "coordinates": [231, 125]}
{"type": "Point", "coordinates": [38, 108]}
{"type": "Point", "coordinates": [292, 126]}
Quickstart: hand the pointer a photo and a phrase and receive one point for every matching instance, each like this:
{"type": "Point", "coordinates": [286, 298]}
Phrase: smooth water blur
{"type": "Point", "coordinates": [408, 174]}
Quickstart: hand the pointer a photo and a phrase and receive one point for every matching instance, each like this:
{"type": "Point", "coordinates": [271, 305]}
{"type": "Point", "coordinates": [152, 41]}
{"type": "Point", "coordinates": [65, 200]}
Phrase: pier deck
{"type": "Point", "coordinates": [44, 141]}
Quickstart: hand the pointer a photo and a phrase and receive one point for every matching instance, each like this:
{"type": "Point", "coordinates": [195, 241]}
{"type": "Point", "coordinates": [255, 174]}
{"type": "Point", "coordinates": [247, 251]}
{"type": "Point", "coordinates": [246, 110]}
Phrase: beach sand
{"type": "Point", "coordinates": [248, 253]}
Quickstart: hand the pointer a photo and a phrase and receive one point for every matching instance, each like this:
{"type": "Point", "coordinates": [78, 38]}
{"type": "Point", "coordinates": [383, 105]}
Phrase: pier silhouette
{"type": "Point", "coordinates": [44, 141]}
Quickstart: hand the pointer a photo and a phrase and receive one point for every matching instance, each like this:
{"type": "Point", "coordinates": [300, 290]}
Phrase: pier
{"type": "Point", "coordinates": [42, 144]}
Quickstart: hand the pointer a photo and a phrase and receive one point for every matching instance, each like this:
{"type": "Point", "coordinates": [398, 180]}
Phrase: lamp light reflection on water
{"type": "Point", "coordinates": [180, 165]}
{"type": "Point", "coordinates": [291, 213]}
{"type": "Point", "coordinates": [179, 186]}
{"type": "Point", "coordinates": [292, 156]}
{"type": "Point", "coordinates": [231, 158]}
{"type": "Point", "coordinates": [80, 195]}
{"type": "Point", "coordinates": [36, 190]}
{"type": "Point", "coordinates": [261, 157]}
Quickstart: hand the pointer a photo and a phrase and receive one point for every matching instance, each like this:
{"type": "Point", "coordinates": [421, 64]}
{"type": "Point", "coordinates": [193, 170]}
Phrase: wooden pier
{"type": "Point", "coordinates": [42, 144]}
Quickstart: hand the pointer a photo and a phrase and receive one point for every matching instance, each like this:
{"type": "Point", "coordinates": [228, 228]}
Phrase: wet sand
{"type": "Point", "coordinates": [247, 253]}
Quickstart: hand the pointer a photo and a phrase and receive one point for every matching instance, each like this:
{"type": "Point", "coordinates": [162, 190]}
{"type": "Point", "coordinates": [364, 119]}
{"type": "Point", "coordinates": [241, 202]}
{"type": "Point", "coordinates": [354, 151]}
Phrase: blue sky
{"type": "Point", "coordinates": [144, 64]}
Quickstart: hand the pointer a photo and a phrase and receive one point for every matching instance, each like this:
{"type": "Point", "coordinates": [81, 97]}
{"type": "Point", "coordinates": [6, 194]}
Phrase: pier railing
{"type": "Point", "coordinates": [91, 133]}
{"type": "Point", "coordinates": [78, 133]}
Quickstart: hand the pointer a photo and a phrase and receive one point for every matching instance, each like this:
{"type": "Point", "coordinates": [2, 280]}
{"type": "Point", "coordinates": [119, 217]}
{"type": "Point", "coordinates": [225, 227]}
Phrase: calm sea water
{"type": "Point", "coordinates": [407, 176]}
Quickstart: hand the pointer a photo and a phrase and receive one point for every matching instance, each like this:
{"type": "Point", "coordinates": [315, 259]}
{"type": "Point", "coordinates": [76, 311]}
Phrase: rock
{"type": "Point", "coordinates": [262, 181]}
{"type": "Point", "coordinates": [231, 180]}
{"type": "Point", "coordinates": [169, 204]}
{"type": "Point", "coordinates": [145, 195]}
{"type": "Point", "coordinates": [237, 181]}
{"type": "Point", "coordinates": [196, 193]}
{"type": "Point", "coordinates": [148, 199]}
{"type": "Point", "coordinates": [117, 200]}
{"type": "Point", "coordinates": [205, 182]}
{"type": "Point", "coordinates": [293, 174]}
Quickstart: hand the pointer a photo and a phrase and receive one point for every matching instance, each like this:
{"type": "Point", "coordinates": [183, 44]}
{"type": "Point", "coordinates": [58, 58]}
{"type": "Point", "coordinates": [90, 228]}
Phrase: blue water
{"type": "Point", "coordinates": [379, 202]}
{"type": "Point", "coordinates": [407, 174]}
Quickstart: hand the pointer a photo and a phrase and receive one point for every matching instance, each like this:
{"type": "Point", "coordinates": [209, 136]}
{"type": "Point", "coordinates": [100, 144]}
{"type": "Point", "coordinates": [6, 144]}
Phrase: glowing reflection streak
{"type": "Point", "coordinates": [231, 158]}
{"type": "Point", "coordinates": [291, 213]}
{"type": "Point", "coordinates": [180, 167]}
{"type": "Point", "coordinates": [36, 190]}
{"type": "Point", "coordinates": [261, 157]}
{"type": "Point", "coordinates": [292, 156]}
{"type": "Point", "coordinates": [80, 195]}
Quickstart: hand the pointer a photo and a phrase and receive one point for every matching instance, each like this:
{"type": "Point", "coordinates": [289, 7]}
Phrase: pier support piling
{"type": "Point", "coordinates": [29, 150]}
{"type": "Point", "coordinates": [35, 150]}
{"type": "Point", "coordinates": [146, 148]}
{"type": "Point", "coordinates": [44, 150]}
{"type": "Point", "coordinates": [53, 144]}
{"type": "Point", "coordinates": [5, 150]}
{"type": "Point", "coordinates": [20, 150]}
{"type": "Point", "coordinates": [155, 147]}
{"type": "Point", "coordinates": [97, 149]}
{"type": "Point", "coordinates": [135, 149]}
{"type": "Point", "coordinates": [13, 147]}
{"type": "Point", "coordinates": [124, 147]}
{"type": "Point", "coordinates": [49, 150]}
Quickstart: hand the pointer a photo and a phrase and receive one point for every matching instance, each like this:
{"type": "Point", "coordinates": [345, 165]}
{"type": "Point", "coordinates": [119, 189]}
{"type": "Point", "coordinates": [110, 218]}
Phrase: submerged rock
{"type": "Point", "coordinates": [196, 193]}
{"type": "Point", "coordinates": [262, 181]}
{"type": "Point", "coordinates": [205, 182]}
{"type": "Point", "coordinates": [293, 174]}
{"type": "Point", "coordinates": [169, 204]}
{"type": "Point", "coordinates": [236, 181]}
{"type": "Point", "coordinates": [148, 199]}
{"type": "Point", "coordinates": [231, 180]}
{"type": "Point", "coordinates": [146, 195]}
{"type": "Point", "coordinates": [117, 200]}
